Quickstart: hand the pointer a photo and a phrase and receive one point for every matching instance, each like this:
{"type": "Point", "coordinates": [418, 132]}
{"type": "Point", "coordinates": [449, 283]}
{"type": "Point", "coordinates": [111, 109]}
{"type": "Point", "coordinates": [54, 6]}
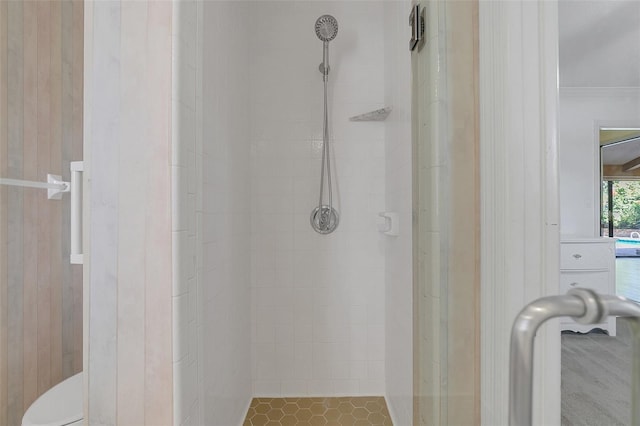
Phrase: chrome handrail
{"type": "Point", "coordinates": [584, 306]}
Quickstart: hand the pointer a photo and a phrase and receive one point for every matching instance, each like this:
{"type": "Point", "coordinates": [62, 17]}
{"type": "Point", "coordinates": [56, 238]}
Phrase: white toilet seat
{"type": "Point", "coordinates": [59, 406]}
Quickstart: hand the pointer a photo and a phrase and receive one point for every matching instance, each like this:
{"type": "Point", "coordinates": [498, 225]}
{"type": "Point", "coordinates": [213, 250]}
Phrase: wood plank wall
{"type": "Point", "coordinates": [128, 155]}
{"type": "Point", "coordinates": [41, 90]}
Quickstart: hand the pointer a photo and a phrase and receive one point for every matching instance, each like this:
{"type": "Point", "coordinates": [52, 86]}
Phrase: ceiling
{"type": "Point", "coordinates": [608, 136]}
{"type": "Point", "coordinates": [599, 43]}
{"type": "Point", "coordinates": [620, 153]}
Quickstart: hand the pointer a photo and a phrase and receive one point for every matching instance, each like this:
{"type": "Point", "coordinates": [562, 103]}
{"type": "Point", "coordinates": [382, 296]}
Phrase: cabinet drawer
{"type": "Point", "coordinates": [586, 256]}
{"type": "Point", "coordinates": [598, 281]}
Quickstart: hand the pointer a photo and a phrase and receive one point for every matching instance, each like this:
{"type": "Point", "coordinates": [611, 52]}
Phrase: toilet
{"type": "Point", "coordinates": [59, 406]}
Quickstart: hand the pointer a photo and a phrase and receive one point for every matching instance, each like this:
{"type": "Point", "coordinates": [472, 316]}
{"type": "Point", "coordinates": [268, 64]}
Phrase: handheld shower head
{"type": "Point", "coordinates": [326, 28]}
{"type": "Point", "coordinates": [325, 218]}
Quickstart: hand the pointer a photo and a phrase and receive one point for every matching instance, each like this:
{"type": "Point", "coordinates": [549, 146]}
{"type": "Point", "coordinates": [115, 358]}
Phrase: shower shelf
{"type": "Point", "coordinates": [377, 115]}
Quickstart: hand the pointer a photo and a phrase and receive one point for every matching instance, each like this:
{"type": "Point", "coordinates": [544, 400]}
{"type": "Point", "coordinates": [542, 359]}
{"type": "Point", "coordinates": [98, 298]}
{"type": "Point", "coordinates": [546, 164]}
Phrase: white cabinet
{"type": "Point", "coordinates": [588, 263]}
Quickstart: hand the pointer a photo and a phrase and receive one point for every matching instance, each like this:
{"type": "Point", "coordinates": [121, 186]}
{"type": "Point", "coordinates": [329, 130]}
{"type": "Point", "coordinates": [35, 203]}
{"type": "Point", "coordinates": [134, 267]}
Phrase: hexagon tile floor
{"type": "Point", "coordinates": [348, 411]}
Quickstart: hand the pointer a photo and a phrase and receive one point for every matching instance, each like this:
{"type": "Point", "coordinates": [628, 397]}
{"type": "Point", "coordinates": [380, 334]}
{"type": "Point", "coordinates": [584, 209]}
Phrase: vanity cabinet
{"type": "Point", "coordinates": [588, 263]}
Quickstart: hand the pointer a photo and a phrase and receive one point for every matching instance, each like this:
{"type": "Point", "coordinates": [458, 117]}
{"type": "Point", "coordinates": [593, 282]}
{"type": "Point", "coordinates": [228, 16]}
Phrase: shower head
{"type": "Point", "coordinates": [326, 28]}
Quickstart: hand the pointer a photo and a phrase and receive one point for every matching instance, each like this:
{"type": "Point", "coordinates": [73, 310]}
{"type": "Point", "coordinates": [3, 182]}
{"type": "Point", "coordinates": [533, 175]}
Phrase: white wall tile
{"type": "Point", "coordinates": [180, 327]}
{"type": "Point", "coordinates": [267, 388]}
{"type": "Point", "coordinates": [345, 387]}
{"type": "Point", "coordinates": [304, 313]}
{"type": "Point", "coordinates": [313, 275]}
{"type": "Point", "coordinates": [226, 253]}
{"type": "Point", "coordinates": [293, 388]}
{"type": "Point", "coordinates": [398, 324]}
{"type": "Point", "coordinates": [320, 387]}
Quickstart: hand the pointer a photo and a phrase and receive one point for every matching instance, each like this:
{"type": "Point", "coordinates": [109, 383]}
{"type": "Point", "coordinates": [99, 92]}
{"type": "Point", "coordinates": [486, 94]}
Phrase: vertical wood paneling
{"type": "Point", "coordinates": [15, 216]}
{"type": "Point", "coordinates": [44, 208]}
{"type": "Point", "coordinates": [104, 135]}
{"type": "Point", "coordinates": [66, 54]}
{"type": "Point", "coordinates": [30, 206]}
{"type": "Point", "coordinates": [3, 213]}
{"type": "Point", "coordinates": [518, 134]}
{"type": "Point", "coordinates": [55, 217]}
{"type": "Point", "coordinates": [36, 117]}
{"type": "Point", "coordinates": [87, 134]}
{"type": "Point", "coordinates": [158, 300]}
{"type": "Point", "coordinates": [131, 218]}
{"type": "Point", "coordinates": [130, 269]}
{"type": "Point", "coordinates": [77, 149]}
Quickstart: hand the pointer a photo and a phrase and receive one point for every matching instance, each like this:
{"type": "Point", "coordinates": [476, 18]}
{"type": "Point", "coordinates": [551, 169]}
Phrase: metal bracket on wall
{"type": "Point", "coordinates": [584, 306]}
{"type": "Point", "coordinates": [416, 21]}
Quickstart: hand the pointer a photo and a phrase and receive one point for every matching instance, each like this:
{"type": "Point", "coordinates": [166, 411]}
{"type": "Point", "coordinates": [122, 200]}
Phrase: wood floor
{"type": "Point", "coordinates": [596, 369]}
{"type": "Point", "coordinates": [596, 372]}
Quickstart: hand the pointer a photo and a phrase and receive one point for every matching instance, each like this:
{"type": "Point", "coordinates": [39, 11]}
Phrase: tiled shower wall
{"type": "Point", "coordinates": [304, 314]}
{"type": "Point", "coordinates": [318, 315]}
{"type": "Point", "coordinates": [41, 115]}
{"type": "Point", "coordinates": [399, 269]}
{"type": "Point", "coordinates": [224, 221]}
{"type": "Point", "coordinates": [186, 194]}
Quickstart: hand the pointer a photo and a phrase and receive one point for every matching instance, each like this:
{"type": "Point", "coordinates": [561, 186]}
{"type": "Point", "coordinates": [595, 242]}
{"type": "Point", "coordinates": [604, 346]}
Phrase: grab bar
{"type": "Point", "coordinates": [77, 168]}
{"type": "Point", "coordinates": [584, 306]}
{"type": "Point", "coordinates": [54, 185]}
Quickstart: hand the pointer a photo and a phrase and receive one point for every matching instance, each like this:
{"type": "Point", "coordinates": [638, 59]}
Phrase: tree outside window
{"type": "Point", "coordinates": [626, 208]}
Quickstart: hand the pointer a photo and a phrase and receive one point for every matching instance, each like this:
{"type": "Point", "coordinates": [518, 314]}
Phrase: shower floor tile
{"type": "Point", "coordinates": [343, 411]}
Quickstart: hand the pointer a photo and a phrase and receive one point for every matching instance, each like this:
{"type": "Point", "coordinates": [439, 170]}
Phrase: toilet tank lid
{"type": "Point", "coordinates": [59, 406]}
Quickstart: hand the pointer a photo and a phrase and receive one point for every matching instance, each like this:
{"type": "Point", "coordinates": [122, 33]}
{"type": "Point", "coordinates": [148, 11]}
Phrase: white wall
{"type": "Point", "coordinates": [224, 216]}
{"type": "Point", "coordinates": [582, 112]}
{"type": "Point", "coordinates": [599, 43]}
{"type": "Point", "coordinates": [518, 177]}
{"type": "Point", "coordinates": [318, 300]}
{"type": "Point", "coordinates": [212, 305]}
{"type": "Point", "coordinates": [186, 197]}
{"type": "Point", "coordinates": [128, 269]}
{"type": "Point", "coordinates": [398, 265]}
{"type": "Point", "coordinates": [599, 78]}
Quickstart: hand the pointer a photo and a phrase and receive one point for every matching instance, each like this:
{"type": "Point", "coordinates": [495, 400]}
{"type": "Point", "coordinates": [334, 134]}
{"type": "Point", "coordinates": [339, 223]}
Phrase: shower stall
{"type": "Point", "coordinates": [288, 309]}
{"type": "Point", "coordinates": [283, 311]}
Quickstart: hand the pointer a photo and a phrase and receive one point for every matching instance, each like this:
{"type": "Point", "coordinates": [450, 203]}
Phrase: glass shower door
{"type": "Point", "coordinates": [446, 213]}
